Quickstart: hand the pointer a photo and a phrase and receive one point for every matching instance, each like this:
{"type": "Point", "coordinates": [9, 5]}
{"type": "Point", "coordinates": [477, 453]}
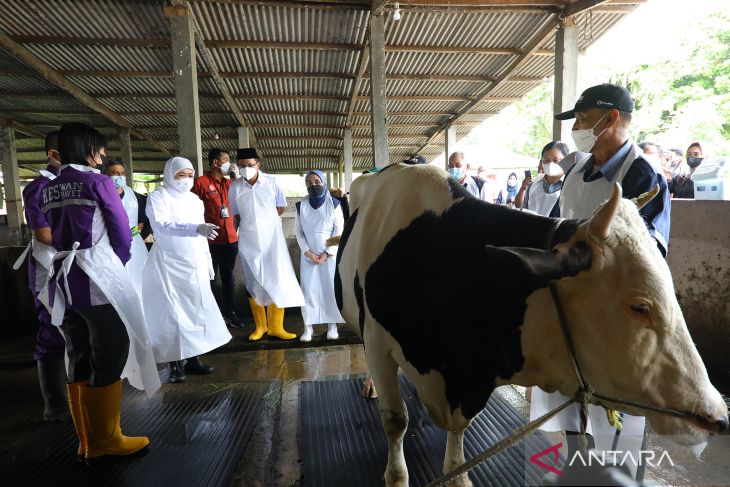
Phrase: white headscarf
{"type": "Point", "coordinates": [172, 167]}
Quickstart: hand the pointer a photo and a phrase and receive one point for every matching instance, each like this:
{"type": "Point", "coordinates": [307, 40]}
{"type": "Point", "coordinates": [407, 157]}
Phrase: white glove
{"type": "Point", "coordinates": [234, 172]}
{"type": "Point", "coordinates": [211, 274]}
{"type": "Point", "coordinates": [207, 230]}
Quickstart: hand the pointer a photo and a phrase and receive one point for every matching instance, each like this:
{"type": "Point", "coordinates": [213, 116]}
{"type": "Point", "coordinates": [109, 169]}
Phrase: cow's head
{"type": "Point", "coordinates": [629, 333]}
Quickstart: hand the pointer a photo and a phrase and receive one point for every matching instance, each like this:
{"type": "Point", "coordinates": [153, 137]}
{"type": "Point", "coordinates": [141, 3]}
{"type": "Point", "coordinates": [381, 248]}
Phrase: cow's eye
{"type": "Point", "coordinates": [640, 309]}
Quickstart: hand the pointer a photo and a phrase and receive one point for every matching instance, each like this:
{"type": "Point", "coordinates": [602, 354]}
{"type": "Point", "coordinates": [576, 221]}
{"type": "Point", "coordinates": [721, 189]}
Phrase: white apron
{"type": "Point", "coordinates": [318, 281]}
{"type": "Point", "coordinates": [43, 255]}
{"type": "Point", "coordinates": [104, 268]}
{"type": "Point", "coordinates": [539, 201]}
{"type": "Point", "coordinates": [184, 319]}
{"type": "Point", "coordinates": [267, 266]}
{"type": "Point", "coordinates": [580, 199]}
{"type": "Point", "coordinates": [139, 249]}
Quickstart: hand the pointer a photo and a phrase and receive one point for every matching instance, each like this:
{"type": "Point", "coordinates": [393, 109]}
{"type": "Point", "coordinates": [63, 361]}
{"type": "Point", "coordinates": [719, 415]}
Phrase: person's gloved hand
{"type": "Point", "coordinates": [207, 230]}
{"type": "Point", "coordinates": [211, 274]}
{"type": "Point", "coordinates": [234, 171]}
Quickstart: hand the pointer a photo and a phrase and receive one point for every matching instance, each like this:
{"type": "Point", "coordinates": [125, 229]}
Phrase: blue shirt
{"type": "Point", "coordinates": [640, 178]}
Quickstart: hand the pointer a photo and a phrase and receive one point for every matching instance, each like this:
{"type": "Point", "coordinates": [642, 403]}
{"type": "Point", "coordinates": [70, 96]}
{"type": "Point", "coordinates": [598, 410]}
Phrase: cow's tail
{"type": "Point", "coordinates": [332, 241]}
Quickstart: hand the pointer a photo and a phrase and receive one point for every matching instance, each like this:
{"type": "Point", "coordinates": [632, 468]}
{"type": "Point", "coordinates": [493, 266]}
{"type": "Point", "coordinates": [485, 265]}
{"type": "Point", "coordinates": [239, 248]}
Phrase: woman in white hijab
{"type": "Point", "coordinates": [182, 315]}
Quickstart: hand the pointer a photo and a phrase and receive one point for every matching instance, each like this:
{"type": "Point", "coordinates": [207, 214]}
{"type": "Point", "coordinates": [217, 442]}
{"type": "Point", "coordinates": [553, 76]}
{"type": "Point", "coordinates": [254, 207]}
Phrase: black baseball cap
{"type": "Point", "coordinates": [415, 160]}
{"type": "Point", "coordinates": [607, 95]}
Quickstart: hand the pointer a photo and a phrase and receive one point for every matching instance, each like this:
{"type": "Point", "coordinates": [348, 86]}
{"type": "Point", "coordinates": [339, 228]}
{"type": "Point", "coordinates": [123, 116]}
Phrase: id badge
{"type": "Point", "coordinates": [224, 212]}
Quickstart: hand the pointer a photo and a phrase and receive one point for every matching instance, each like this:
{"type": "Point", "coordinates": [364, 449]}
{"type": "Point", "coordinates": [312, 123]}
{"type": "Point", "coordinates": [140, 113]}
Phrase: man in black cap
{"type": "Point", "coordinates": [606, 155]}
{"type": "Point", "coordinates": [257, 200]}
{"type": "Point", "coordinates": [415, 160]}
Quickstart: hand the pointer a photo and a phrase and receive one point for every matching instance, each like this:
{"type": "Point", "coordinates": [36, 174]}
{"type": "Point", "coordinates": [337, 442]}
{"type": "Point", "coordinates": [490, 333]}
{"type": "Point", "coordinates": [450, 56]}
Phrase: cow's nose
{"type": "Point", "coordinates": [722, 424]}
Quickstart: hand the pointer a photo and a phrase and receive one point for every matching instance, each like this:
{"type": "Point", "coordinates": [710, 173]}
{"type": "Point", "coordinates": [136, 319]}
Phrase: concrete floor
{"type": "Point", "coordinates": [271, 458]}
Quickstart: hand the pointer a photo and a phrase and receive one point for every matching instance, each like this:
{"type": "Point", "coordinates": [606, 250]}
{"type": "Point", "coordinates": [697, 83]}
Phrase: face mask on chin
{"type": "Point", "coordinates": [585, 139]}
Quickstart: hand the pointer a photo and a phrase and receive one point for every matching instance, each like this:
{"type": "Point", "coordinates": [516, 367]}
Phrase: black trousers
{"type": "Point", "coordinates": [224, 260]}
{"type": "Point", "coordinates": [97, 344]}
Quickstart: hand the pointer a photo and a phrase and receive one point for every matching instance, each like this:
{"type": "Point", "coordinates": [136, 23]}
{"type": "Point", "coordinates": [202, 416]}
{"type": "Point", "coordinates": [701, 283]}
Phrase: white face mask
{"type": "Point", "coordinates": [585, 139]}
{"type": "Point", "coordinates": [183, 185]}
{"type": "Point", "coordinates": [552, 169]}
{"type": "Point", "coordinates": [226, 168]}
{"type": "Point", "coordinates": [249, 173]}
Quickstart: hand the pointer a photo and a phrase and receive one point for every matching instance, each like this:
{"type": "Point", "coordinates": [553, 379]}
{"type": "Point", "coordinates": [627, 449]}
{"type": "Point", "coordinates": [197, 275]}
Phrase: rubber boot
{"type": "Point", "coordinates": [259, 319]}
{"type": "Point", "coordinates": [276, 323]}
{"type": "Point", "coordinates": [52, 379]}
{"type": "Point", "coordinates": [74, 402]}
{"type": "Point", "coordinates": [100, 407]}
{"type": "Point", "coordinates": [332, 332]}
{"type": "Point", "coordinates": [307, 335]}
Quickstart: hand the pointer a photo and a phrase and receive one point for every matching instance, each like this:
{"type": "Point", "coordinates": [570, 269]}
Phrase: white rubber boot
{"type": "Point", "coordinates": [332, 332]}
{"type": "Point", "coordinates": [307, 335]}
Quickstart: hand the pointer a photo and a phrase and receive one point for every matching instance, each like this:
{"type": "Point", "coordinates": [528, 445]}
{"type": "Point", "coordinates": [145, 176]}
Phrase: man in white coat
{"type": "Point", "coordinates": [257, 201]}
{"type": "Point", "coordinates": [606, 155]}
{"type": "Point", "coordinates": [134, 205]}
{"type": "Point", "coordinates": [318, 217]}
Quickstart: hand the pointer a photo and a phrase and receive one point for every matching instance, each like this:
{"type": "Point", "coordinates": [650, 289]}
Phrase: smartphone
{"type": "Point", "coordinates": [528, 174]}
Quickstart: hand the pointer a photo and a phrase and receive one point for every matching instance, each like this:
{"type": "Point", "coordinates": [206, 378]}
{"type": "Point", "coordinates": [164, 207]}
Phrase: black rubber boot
{"type": "Point", "coordinates": [177, 374]}
{"type": "Point", "coordinates": [52, 379]}
{"type": "Point", "coordinates": [194, 366]}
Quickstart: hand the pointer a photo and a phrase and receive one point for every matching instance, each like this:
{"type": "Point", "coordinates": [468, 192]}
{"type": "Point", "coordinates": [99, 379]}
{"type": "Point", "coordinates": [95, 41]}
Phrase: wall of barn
{"type": "Point", "coordinates": [699, 258]}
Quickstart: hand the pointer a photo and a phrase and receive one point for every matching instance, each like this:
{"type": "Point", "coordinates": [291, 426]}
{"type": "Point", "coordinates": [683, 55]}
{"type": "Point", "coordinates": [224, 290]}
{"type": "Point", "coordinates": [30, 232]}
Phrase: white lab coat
{"type": "Point", "coordinates": [139, 249]}
{"type": "Point", "coordinates": [471, 186]}
{"type": "Point", "coordinates": [538, 200]}
{"type": "Point", "coordinates": [579, 201]}
{"type": "Point", "coordinates": [314, 227]}
{"type": "Point", "coordinates": [267, 266]}
{"type": "Point", "coordinates": [183, 317]}
{"type": "Point", "coordinates": [106, 271]}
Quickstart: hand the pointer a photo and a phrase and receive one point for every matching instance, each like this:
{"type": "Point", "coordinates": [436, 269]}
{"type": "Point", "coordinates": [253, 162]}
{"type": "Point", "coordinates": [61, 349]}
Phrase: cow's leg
{"type": "Point", "coordinates": [393, 414]}
{"type": "Point", "coordinates": [455, 457]}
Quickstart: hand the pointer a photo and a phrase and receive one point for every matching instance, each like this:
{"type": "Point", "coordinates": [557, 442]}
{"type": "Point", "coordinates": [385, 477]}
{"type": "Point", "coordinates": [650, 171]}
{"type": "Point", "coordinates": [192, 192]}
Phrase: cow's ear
{"type": "Point", "coordinates": [545, 264]}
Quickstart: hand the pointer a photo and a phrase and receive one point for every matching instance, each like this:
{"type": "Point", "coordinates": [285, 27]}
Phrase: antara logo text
{"type": "Point", "coordinates": [602, 458]}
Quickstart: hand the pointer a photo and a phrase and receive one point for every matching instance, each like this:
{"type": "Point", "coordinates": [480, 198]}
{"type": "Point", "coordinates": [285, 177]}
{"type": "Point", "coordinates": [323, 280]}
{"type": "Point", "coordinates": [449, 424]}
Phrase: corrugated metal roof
{"type": "Point", "coordinates": [299, 114]}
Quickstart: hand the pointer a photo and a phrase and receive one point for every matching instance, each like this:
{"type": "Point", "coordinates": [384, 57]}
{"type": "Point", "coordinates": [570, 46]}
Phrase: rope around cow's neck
{"type": "Point", "coordinates": [582, 396]}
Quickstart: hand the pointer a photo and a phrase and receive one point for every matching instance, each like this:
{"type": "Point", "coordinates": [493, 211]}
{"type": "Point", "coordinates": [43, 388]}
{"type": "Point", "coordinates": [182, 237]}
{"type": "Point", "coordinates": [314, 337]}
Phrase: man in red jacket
{"type": "Point", "coordinates": [212, 188]}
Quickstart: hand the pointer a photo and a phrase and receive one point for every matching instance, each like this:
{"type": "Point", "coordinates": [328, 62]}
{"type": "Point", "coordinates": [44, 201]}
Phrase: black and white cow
{"type": "Point", "coordinates": [453, 291]}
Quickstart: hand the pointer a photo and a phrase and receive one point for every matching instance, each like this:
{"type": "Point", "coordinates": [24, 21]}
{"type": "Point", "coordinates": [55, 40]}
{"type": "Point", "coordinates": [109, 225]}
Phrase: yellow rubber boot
{"type": "Point", "coordinates": [74, 402]}
{"type": "Point", "coordinates": [259, 319]}
{"type": "Point", "coordinates": [276, 323]}
{"type": "Point", "coordinates": [100, 409]}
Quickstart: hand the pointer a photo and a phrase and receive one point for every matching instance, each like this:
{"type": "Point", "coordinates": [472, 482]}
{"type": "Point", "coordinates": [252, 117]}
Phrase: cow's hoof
{"type": "Point", "coordinates": [368, 389]}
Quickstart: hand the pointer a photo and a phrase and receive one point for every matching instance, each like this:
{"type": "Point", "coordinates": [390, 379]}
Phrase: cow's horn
{"type": "Point", "coordinates": [645, 198]}
{"type": "Point", "coordinates": [600, 225]}
{"type": "Point", "coordinates": [332, 241]}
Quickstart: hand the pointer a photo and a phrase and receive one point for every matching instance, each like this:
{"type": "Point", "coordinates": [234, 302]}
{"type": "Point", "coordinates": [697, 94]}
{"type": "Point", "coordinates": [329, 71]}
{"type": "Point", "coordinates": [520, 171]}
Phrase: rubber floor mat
{"type": "Point", "coordinates": [343, 444]}
{"type": "Point", "coordinates": [197, 435]}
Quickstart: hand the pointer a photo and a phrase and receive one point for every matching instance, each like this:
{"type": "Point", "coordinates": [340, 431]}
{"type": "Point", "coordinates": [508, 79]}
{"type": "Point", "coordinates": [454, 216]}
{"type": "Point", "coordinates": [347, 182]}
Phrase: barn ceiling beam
{"type": "Point", "coordinates": [21, 127]}
{"type": "Point", "coordinates": [361, 69]}
{"type": "Point", "coordinates": [50, 74]}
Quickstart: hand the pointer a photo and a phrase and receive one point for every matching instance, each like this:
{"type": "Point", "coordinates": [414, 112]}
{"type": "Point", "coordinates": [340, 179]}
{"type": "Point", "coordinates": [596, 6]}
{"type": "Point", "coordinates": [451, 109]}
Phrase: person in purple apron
{"type": "Point", "coordinates": [91, 296]}
{"type": "Point", "coordinates": [50, 346]}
